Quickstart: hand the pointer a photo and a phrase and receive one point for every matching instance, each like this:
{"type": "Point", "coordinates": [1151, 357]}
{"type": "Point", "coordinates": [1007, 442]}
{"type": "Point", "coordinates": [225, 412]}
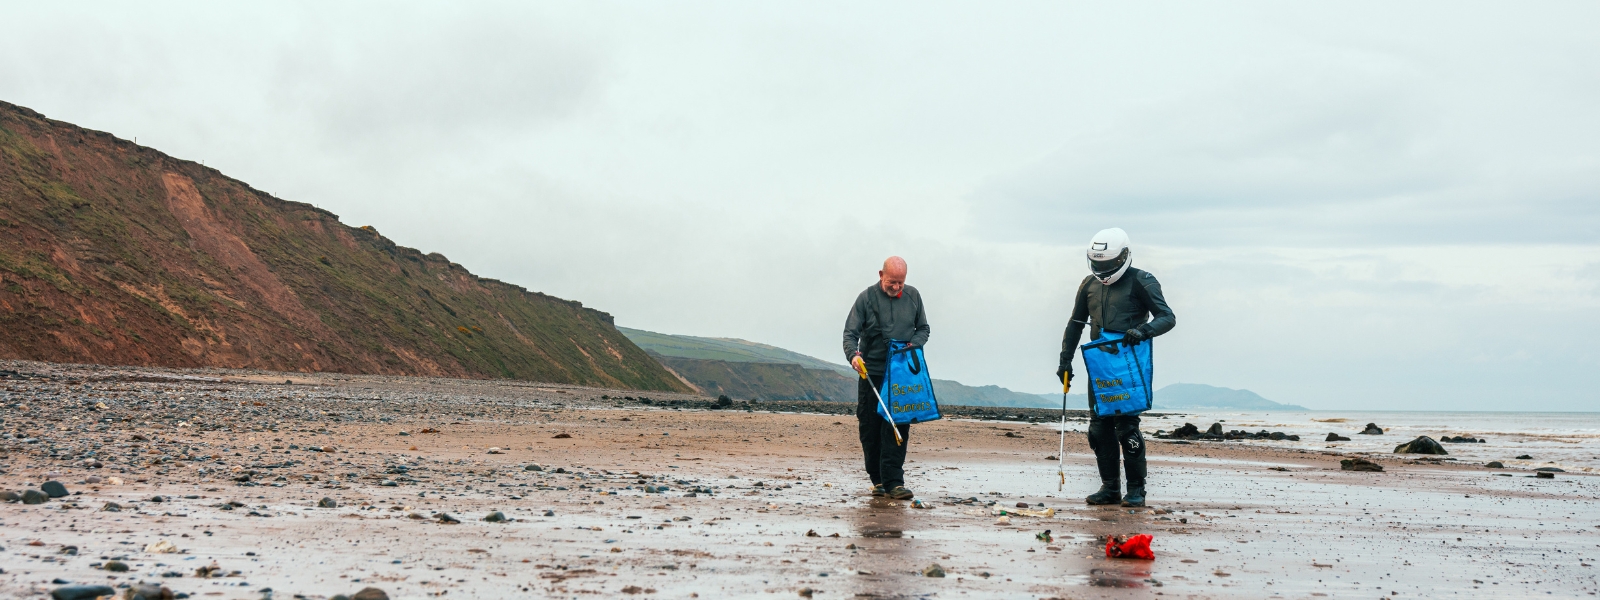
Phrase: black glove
{"type": "Point", "coordinates": [1134, 336]}
{"type": "Point", "coordinates": [1064, 373]}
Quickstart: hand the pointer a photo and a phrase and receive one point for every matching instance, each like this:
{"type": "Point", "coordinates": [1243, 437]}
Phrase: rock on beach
{"type": "Point", "coordinates": [1422, 445]}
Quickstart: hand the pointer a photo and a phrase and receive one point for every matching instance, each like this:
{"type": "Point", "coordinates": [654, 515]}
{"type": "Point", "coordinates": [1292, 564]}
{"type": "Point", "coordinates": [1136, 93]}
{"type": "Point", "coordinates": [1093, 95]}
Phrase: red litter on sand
{"type": "Point", "coordinates": [1130, 546]}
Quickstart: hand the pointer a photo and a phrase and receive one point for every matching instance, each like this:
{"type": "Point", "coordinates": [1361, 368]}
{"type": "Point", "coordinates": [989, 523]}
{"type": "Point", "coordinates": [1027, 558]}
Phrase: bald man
{"type": "Point", "coordinates": [889, 310]}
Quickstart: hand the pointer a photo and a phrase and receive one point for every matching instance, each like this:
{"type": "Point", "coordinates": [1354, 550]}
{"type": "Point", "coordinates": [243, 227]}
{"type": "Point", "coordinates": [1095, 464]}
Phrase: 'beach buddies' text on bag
{"type": "Point", "coordinates": [907, 388]}
{"type": "Point", "coordinates": [1119, 376]}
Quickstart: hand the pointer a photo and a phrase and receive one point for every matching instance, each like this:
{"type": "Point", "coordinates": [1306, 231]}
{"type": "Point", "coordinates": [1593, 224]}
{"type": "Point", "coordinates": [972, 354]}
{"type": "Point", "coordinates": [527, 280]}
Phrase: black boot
{"type": "Point", "coordinates": [1110, 492]}
{"type": "Point", "coordinates": [1135, 496]}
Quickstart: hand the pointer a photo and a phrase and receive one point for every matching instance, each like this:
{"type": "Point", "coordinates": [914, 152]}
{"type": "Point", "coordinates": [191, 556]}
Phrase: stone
{"type": "Point", "coordinates": [147, 591]}
{"type": "Point", "coordinates": [533, 468]}
{"type": "Point", "coordinates": [370, 593]}
{"type": "Point", "coordinates": [116, 566]}
{"type": "Point", "coordinates": [81, 592]}
{"type": "Point", "coordinates": [1544, 475]}
{"type": "Point", "coordinates": [1216, 429]}
{"type": "Point", "coordinates": [1550, 470]}
{"type": "Point", "coordinates": [34, 497]}
{"type": "Point", "coordinates": [1422, 445]}
{"type": "Point", "coordinates": [933, 570]}
{"type": "Point", "coordinates": [495, 517]}
{"type": "Point", "coordinates": [1334, 437]}
{"type": "Point", "coordinates": [1524, 457]}
{"type": "Point", "coordinates": [447, 519]}
{"type": "Point", "coordinates": [326, 502]}
{"type": "Point", "coordinates": [10, 496]}
{"type": "Point", "coordinates": [1360, 464]}
{"type": "Point", "coordinates": [1188, 430]}
{"type": "Point", "coordinates": [1495, 464]}
{"type": "Point", "coordinates": [55, 489]}
{"type": "Point", "coordinates": [563, 436]}
{"type": "Point", "coordinates": [1372, 429]}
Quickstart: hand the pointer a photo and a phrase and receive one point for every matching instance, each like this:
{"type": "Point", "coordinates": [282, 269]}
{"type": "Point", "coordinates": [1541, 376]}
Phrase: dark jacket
{"type": "Point", "coordinates": [876, 318]}
{"type": "Point", "coordinates": [1129, 303]}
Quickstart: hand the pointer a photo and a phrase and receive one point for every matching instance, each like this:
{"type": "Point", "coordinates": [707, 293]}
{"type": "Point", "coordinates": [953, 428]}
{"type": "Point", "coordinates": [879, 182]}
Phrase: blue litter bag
{"type": "Point", "coordinates": [907, 389]}
{"type": "Point", "coordinates": [1119, 376]}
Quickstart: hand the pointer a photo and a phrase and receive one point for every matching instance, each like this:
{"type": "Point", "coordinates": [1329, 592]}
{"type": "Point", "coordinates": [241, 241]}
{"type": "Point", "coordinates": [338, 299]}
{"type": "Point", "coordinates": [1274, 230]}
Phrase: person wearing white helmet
{"type": "Point", "coordinates": [1115, 297]}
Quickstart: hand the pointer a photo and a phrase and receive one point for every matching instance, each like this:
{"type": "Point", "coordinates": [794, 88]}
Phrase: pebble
{"type": "Point", "coordinates": [10, 496]}
{"type": "Point", "coordinates": [446, 518]}
{"type": "Point", "coordinates": [370, 593]}
{"type": "Point", "coordinates": [147, 591]}
{"type": "Point", "coordinates": [326, 502]}
{"type": "Point", "coordinates": [495, 517]}
{"type": "Point", "coordinates": [34, 497]}
{"type": "Point", "coordinates": [54, 489]}
{"type": "Point", "coordinates": [116, 566]}
{"type": "Point", "coordinates": [933, 570]}
{"type": "Point", "coordinates": [81, 592]}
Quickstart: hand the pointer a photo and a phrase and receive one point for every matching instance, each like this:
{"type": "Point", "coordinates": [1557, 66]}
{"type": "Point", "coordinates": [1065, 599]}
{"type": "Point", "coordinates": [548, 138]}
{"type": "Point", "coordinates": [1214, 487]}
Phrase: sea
{"type": "Point", "coordinates": [1565, 440]}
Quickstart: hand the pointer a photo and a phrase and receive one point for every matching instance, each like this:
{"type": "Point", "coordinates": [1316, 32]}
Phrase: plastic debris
{"type": "Point", "coordinates": [1044, 536]}
{"type": "Point", "coordinates": [1024, 512]}
{"type": "Point", "coordinates": [161, 547]}
{"type": "Point", "coordinates": [1134, 546]}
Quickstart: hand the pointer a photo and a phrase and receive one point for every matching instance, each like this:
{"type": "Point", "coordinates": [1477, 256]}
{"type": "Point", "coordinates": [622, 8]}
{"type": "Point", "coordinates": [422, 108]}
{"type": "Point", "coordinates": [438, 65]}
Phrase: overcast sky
{"type": "Point", "coordinates": [1349, 205]}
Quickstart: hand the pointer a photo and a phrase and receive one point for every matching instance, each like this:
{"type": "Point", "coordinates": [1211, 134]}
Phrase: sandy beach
{"type": "Point", "coordinates": [606, 496]}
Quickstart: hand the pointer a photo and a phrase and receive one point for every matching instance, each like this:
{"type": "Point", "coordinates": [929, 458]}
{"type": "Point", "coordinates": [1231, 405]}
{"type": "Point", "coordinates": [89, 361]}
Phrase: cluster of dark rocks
{"type": "Point", "coordinates": [1215, 433]}
{"type": "Point", "coordinates": [1461, 439]}
{"type": "Point", "coordinates": [46, 492]}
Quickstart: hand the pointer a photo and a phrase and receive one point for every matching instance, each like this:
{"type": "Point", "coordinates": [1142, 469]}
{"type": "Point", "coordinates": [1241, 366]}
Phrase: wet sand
{"type": "Point", "coordinates": [743, 490]}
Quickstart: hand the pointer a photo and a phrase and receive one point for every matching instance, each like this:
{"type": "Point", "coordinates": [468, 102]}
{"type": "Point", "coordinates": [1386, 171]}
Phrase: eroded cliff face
{"type": "Point", "coordinates": [112, 253]}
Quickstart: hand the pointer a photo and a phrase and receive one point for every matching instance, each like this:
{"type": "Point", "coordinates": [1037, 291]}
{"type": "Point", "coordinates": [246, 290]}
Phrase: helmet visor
{"type": "Point", "coordinates": [1104, 268]}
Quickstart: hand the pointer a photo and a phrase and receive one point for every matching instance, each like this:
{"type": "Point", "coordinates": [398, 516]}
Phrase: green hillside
{"type": "Point", "coordinates": [728, 349]}
{"type": "Point", "coordinates": [744, 369]}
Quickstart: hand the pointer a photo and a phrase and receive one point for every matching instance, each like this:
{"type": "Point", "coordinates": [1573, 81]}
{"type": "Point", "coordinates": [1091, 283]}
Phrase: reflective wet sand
{"type": "Point", "coordinates": [744, 494]}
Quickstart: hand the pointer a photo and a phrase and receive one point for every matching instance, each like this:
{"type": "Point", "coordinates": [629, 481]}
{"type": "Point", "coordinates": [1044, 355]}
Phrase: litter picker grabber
{"type": "Point", "coordinates": [862, 371]}
{"type": "Point", "coordinates": [1061, 455]}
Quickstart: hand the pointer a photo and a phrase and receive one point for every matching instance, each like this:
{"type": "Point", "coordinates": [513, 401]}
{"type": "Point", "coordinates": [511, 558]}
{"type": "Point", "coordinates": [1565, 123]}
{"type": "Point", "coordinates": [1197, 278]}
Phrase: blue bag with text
{"type": "Point", "coordinates": [1119, 376]}
{"type": "Point", "coordinates": [907, 388]}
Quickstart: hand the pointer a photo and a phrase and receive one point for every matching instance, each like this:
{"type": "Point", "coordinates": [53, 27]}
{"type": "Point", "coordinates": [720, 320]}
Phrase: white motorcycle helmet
{"type": "Point", "coordinates": [1109, 255]}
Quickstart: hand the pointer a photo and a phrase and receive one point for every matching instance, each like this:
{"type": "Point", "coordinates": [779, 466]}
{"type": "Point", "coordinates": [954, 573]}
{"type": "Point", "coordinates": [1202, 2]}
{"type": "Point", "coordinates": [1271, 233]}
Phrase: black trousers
{"type": "Point", "coordinates": [885, 460]}
{"type": "Point", "coordinates": [1111, 436]}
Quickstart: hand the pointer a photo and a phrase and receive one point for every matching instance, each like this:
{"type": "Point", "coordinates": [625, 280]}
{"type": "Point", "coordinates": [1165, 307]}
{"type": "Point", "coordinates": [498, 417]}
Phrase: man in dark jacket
{"type": "Point", "coordinates": [889, 310]}
{"type": "Point", "coordinates": [1119, 298]}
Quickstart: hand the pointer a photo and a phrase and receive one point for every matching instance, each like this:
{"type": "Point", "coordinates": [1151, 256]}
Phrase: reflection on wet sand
{"type": "Point", "coordinates": [884, 551]}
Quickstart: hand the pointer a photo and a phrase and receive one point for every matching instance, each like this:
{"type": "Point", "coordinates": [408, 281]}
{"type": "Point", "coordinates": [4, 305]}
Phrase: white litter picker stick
{"type": "Point", "coordinates": [862, 371]}
{"type": "Point", "coordinates": [1061, 455]}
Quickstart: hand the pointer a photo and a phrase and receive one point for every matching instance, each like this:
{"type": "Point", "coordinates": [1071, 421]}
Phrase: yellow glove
{"type": "Point", "coordinates": [860, 366]}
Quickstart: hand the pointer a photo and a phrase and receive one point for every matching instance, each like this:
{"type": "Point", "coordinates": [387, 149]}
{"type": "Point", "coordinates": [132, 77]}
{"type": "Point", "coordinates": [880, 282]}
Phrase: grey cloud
{"type": "Point", "coordinates": [442, 82]}
{"type": "Point", "coordinates": [1358, 151]}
